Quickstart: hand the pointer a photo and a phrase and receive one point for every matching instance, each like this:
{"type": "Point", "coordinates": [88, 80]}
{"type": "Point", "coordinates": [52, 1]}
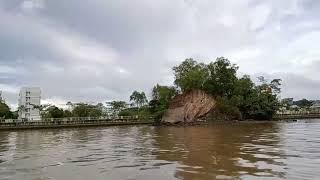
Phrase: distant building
{"type": "Point", "coordinates": [29, 103]}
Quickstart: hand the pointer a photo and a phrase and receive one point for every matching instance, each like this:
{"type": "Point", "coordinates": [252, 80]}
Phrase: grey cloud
{"type": "Point", "coordinates": [101, 50]}
{"type": "Point", "coordinates": [120, 23]}
{"type": "Point", "coordinates": [298, 86]}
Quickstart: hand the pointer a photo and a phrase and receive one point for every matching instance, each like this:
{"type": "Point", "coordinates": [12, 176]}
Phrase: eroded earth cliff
{"type": "Point", "coordinates": [189, 107]}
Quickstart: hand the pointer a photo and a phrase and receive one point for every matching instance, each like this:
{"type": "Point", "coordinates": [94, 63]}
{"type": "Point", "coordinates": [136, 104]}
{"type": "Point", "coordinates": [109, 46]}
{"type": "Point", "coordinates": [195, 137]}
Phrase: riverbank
{"type": "Point", "coordinates": [123, 122]}
{"type": "Point", "coordinates": [72, 123]}
{"type": "Point", "coordinates": [213, 122]}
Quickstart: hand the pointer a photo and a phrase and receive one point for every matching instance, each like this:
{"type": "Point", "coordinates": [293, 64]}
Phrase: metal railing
{"type": "Point", "coordinates": [297, 115]}
{"type": "Point", "coordinates": [77, 121]}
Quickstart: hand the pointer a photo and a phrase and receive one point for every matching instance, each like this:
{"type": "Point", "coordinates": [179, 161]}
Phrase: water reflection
{"type": "Point", "coordinates": [218, 151]}
{"type": "Point", "coordinates": [223, 150]}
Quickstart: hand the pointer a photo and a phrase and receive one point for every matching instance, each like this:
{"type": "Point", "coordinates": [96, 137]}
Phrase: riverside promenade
{"type": "Point", "coordinates": [75, 122]}
{"type": "Point", "coordinates": [297, 116]}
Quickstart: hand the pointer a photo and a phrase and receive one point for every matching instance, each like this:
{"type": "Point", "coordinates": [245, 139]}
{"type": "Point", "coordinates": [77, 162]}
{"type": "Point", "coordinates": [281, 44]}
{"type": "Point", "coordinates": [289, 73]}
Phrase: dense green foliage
{"type": "Point", "coordinates": [117, 106]}
{"type": "Point", "coordinates": [237, 97]}
{"type": "Point", "coordinates": [55, 112]}
{"type": "Point", "coordinates": [78, 110]}
{"type": "Point", "coordinates": [142, 111]}
{"type": "Point", "coordinates": [138, 98]}
{"type": "Point", "coordinates": [5, 112]}
{"type": "Point", "coordinates": [222, 78]}
{"type": "Point", "coordinates": [161, 97]}
{"type": "Point", "coordinates": [139, 107]}
{"type": "Point", "coordinates": [87, 110]}
{"type": "Point", "coordinates": [111, 109]}
{"type": "Point", "coordinates": [190, 75]}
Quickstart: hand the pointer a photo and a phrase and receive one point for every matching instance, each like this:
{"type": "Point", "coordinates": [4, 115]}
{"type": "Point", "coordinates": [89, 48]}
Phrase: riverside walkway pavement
{"type": "Point", "coordinates": [75, 122]}
{"type": "Point", "coordinates": [297, 116]}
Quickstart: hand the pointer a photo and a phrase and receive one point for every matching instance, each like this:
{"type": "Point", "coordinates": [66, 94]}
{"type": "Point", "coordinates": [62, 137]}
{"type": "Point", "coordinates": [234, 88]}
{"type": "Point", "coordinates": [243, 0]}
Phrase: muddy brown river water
{"type": "Point", "coordinates": [272, 150]}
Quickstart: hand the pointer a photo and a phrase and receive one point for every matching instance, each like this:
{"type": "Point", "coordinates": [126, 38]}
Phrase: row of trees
{"type": "Point", "coordinates": [138, 105]}
{"type": "Point", "coordinates": [114, 108]}
{"type": "Point", "coordinates": [75, 110]}
{"type": "Point", "coordinates": [237, 97]}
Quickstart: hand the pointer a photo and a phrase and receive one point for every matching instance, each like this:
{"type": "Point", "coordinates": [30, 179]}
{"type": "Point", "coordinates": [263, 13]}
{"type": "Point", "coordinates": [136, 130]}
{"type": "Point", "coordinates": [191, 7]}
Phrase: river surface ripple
{"type": "Point", "coordinates": [219, 151]}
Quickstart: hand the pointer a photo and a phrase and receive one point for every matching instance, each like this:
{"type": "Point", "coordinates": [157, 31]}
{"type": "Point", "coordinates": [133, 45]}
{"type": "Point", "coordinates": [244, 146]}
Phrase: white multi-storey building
{"type": "Point", "coordinates": [29, 103]}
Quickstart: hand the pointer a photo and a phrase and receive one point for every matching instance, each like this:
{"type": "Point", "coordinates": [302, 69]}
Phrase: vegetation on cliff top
{"type": "Point", "coordinates": [238, 98]}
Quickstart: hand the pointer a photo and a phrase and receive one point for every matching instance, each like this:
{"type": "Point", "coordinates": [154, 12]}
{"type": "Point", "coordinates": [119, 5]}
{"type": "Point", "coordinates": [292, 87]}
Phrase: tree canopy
{"type": "Point", "coordinates": [161, 97]}
{"type": "Point", "coordinates": [217, 78]}
{"type": "Point", "coordinates": [190, 75]}
{"type": "Point", "coordinates": [117, 106]}
{"type": "Point", "coordinates": [139, 98]}
{"type": "Point", "coordinates": [5, 112]}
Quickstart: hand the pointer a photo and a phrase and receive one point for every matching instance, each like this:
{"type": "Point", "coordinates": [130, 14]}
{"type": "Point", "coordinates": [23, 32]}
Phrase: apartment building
{"type": "Point", "coordinates": [29, 103]}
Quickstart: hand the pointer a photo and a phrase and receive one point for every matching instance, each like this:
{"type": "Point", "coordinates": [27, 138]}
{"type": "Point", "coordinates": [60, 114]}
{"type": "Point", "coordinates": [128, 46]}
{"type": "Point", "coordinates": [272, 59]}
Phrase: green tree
{"type": "Point", "coordinates": [161, 97]}
{"type": "Point", "coordinates": [87, 110]}
{"type": "Point", "coordinates": [275, 86]}
{"type": "Point", "coordinates": [222, 78]}
{"type": "Point", "coordinates": [261, 101]}
{"type": "Point", "coordinates": [95, 111]}
{"type": "Point", "coordinates": [217, 78]}
{"type": "Point", "coordinates": [243, 87]}
{"type": "Point", "coordinates": [51, 111]}
{"type": "Point", "coordinates": [190, 75]}
{"type": "Point", "coordinates": [43, 110]}
{"type": "Point", "coordinates": [55, 112]}
{"type": "Point", "coordinates": [81, 110]}
{"type": "Point", "coordinates": [67, 113]}
{"type": "Point", "coordinates": [117, 106]}
{"type": "Point", "coordinates": [163, 93]}
{"type": "Point", "coordinates": [102, 109]}
{"type": "Point", "coordinates": [139, 98]}
{"type": "Point", "coordinates": [5, 112]}
{"type": "Point", "coordinates": [243, 94]}
{"type": "Point", "coordinates": [15, 114]}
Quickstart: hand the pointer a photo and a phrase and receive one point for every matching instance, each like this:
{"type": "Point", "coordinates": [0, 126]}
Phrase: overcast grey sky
{"type": "Point", "coordinates": [101, 50]}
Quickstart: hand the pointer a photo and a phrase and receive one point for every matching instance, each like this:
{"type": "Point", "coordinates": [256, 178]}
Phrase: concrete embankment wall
{"type": "Point", "coordinates": [40, 125]}
{"type": "Point", "coordinates": [297, 116]}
